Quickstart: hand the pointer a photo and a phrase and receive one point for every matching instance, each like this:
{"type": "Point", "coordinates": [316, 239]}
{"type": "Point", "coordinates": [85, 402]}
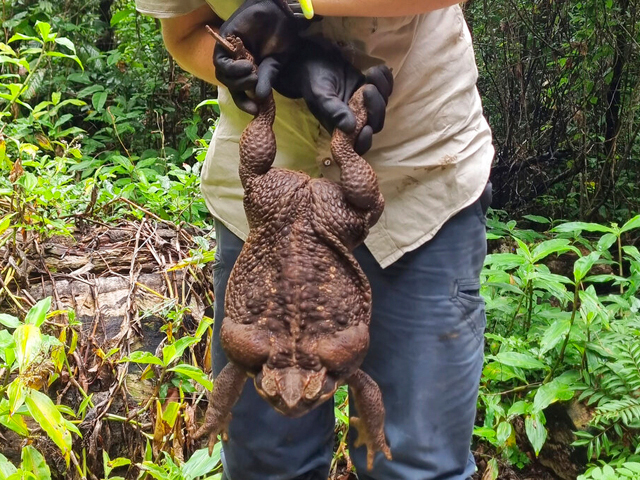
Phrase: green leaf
{"type": "Point", "coordinates": [170, 413]}
{"type": "Point", "coordinates": [6, 468]}
{"type": "Point", "coordinates": [38, 313]}
{"type": "Point", "coordinates": [550, 393]}
{"type": "Point", "coordinates": [583, 265]}
{"type": "Point", "coordinates": [580, 226]}
{"type": "Point", "coordinates": [194, 373]}
{"type": "Point", "coordinates": [201, 463]}
{"type": "Point", "coordinates": [536, 433]}
{"type": "Point", "coordinates": [519, 408]}
{"type": "Point", "coordinates": [65, 42]}
{"type": "Point", "coordinates": [34, 462]}
{"type": "Point", "coordinates": [28, 344]}
{"type": "Point", "coordinates": [503, 432]}
{"type": "Point", "coordinates": [631, 224]}
{"type": "Point", "coordinates": [45, 30]}
{"type": "Point", "coordinates": [9, 321]}
{"type": "Point", "coordinates": [98, 100]}
{"type": "Point", "coordinates": [44, 411]}
{"type": "Point", "coordinates": [537, 219]}
{"type": "Point", "coordinates": [6, 220]}
{"type": "Point", "coordinates": [175, 350]}
{"type": "Point", "coordinates": [205, 323]}
{"type": "Point", "coordinates": [121, 15]}
{"type": "Point", "coordinates": [557, 245]}
{"type": "Point", "coordinates": [143, 357]}
{"type": "Point", "coordinates": [553, 334]}
{"type": "Point", "coordinates": [605, 242]}
{"type": "Point", "coordinates": [16, 394]}
{"type": "Point", "coordinates": [519, 360]}
{"type": "Point", "coordinates": [15, 423]}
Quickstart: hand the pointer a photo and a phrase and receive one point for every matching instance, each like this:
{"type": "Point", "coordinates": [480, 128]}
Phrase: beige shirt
{"type": "Point", "coordinates": [434, 155]}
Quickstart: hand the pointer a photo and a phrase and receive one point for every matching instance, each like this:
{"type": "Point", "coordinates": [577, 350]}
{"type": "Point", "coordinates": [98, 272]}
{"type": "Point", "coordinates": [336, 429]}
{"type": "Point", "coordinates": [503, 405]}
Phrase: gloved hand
{"type": "Point", "coordinates": [269, 30]}
{"type": "Point", "coordinates": [326, 81]}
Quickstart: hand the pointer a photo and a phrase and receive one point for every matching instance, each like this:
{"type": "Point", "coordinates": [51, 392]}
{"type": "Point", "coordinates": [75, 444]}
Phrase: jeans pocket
{"type": "Point", "coordinates": [468, 299]}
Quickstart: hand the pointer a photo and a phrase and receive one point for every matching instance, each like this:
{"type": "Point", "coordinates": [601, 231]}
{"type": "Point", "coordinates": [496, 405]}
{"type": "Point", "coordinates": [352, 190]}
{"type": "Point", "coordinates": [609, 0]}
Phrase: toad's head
{"type": "Point", "coordinates": [293, 391]}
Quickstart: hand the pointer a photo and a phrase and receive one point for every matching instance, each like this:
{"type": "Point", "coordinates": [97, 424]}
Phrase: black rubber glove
{"type": "Point", "coordinates": [326, 81]}
{"type": "Point", "coordinates": [269, 30]}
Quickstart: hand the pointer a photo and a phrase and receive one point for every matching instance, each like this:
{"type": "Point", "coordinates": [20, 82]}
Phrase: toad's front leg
{"type": "Point", "coordinates": [226, 392]}
{"type": "Point", "coordinates": [370, 424]}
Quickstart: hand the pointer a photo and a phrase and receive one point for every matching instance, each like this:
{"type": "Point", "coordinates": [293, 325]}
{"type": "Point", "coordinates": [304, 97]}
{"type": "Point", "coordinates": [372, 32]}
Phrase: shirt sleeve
{"type": "Point", "coordinates": [168, 8]}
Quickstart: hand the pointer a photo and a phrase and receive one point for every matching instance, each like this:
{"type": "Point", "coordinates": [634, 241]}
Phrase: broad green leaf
{"type": "Point", "coordinates": [580, 226]}
{"type": "Point", "coordinates": [536, 433]}
{"type": "Point", "coordinates": [550, 393]}
{"type": "Point", "coordinates": [99, 99]}
{"type": "Point", "coordinates": [537, 219]}
{"type": "Point", "coordinates": [523, 247]}
{"type": "Point", "coordinates": [64, 41]}
{"type": "Point", "coordinates": [121, 15]}
{"type": "Point", "coordinates": [6, 468]}
{"type": "Point", "coordinates": [20, 36]}
{"type": "Point", "coordinates": [7, 347]}
{"type": "Point", "coordinates": [13, 422]}
{"type": "Point", "coordinates": [34, 462]}
{"type": "Point", "coordinates": [28, 344]}
{"type": "Point", "coordinates": [519, 360]}
{"type": "Point", "coordinates": [583, 265]}
{"type": "Point", "coordinates": [6, 220]}
{"type": "Point", "coordinates": [632, 252]}
{"type": "Point", "coordinates": [205, 323]}
{"type": "Point", "coordinates": [504, 261]}
{"type": "Point", "coordinates": [143, 357]}
{"type": "Point", "coordinates": [201, 463]}
{"type": "Point", "coordinates": [38, 313]}
{"type": "Point", "coordinates": [605, 242]}
{"type": "Point", "coordinates": [16, 394]}
{"type": "Point", "coordinates": [170, 413]}
{"type": "Point", "coordinates": [553, 334]}
{"type": "Point", "coordinates": [631, 224]}
{"type": "Point", "coordinates": [45, 30]}
{"type": "Point", "coordinates": [500, 372]}
{"type": "Point", "coordinates": [175, 350]}
{"type": "Point", "coordinates": [194, 373]}
{"type": "Point", "coordinates": [519, 408]}
{"type": "Point", "coordinates": [9, 321]}
{"type": "Point", "coordinates": [503, 432]}
{"type": "Point", "coordinates": [44, 411]}
{"type": "Point", "coordinates": [557, 245]}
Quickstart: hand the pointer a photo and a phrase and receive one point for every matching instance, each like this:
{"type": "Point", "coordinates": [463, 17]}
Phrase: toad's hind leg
{"type": "Point", "coordinates": [258, 144]}
{"type": "Point", "coordinates": [358, 180]}
{"type": "Point", "coordinates": [226, 392]}
{"type": "Point", "coordinates": [370, 424]}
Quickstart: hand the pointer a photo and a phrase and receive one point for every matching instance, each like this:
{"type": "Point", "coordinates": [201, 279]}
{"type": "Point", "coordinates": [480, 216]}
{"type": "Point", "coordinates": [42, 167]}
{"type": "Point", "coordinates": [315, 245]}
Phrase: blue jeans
{"type": "Point", "coordinates": [426, 355]}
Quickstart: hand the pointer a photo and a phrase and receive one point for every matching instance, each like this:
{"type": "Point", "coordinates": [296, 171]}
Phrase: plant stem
{"type": "Point", "coordinates": [576, 300]}
{"type": "Point", "coordinates": [620, 262]}
{"type": "Point", "coordinates": [527, 324]}
{"type": "Point", "coordinates": [515, 314]}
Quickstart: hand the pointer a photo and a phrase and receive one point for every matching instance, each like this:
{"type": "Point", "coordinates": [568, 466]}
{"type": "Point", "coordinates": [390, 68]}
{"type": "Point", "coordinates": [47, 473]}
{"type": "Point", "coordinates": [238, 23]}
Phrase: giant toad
{"type": "Point", "coordinates": [298, 305]}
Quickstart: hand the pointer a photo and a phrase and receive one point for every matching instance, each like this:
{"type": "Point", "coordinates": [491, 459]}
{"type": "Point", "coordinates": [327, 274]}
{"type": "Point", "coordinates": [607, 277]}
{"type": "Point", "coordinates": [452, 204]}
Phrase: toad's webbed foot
{"type": "Point", "coordinates": [226, 391]}
{"type": "Point", "coordinates": [370, 424]}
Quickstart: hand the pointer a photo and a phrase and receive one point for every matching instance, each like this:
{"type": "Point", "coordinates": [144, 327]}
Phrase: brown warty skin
{"type": "Point", "coordinates": [298, 305]}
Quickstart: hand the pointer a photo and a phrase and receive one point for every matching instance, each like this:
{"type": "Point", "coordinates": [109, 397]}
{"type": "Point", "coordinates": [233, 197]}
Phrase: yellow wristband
{"type": "Point", "coordinates": [307, 9]}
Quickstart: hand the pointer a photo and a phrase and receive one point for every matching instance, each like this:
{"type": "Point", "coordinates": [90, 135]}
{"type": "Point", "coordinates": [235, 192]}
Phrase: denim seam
{"type": "Point", "coordinates": [467, 317]}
